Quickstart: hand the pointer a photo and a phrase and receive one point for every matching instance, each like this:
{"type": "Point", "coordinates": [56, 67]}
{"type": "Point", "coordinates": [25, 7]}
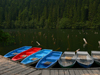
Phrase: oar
{"type": "Point", "coordinates": [86, 42]}
{"type": "Point", "coordinates": [44, 46]}
{"type": "Point", "coordinates": [77, 50]}
{"type": "Point", "coordinates": [40, 44]}
{"type": "Point", "coordinates": [57, 49]}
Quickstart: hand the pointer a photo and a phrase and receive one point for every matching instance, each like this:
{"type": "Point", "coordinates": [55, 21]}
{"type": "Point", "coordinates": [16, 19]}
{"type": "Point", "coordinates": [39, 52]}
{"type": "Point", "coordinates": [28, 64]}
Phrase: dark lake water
{"type": "Point", "coordinates": [58, 40]}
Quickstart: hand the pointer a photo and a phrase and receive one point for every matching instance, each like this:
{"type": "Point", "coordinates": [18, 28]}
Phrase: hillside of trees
{"type": "Point", "coordinates": [50, 14]}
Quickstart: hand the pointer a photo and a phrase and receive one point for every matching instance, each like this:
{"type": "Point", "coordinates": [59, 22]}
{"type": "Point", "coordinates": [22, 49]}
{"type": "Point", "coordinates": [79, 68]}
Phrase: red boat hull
{"type": "Point", "coordinates": [26, 53]}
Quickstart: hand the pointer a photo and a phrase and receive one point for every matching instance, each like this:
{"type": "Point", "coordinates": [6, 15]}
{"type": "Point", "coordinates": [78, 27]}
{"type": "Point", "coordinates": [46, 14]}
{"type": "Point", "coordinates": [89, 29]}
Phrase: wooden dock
{"type": "Point", "coordinates": [9, 67]}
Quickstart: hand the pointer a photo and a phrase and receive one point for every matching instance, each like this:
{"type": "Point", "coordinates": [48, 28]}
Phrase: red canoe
{"type": "Point", "coordinates": [26, 53]}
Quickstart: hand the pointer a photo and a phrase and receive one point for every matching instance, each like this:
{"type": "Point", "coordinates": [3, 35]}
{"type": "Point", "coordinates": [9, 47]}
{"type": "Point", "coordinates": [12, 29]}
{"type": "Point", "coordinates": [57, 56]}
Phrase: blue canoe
{"type": "Point", "coordinates": [49, 60]}
{"type": "Point", "coordinates": [36, 57]}
{"type": "Point", "coordinates": [17, 51]}
{"type": "Point", "coordinates": [84, 59]}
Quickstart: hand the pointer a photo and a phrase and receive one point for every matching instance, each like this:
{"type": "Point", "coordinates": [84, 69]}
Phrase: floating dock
{"type": "Point", "coordinates": [9, 67]}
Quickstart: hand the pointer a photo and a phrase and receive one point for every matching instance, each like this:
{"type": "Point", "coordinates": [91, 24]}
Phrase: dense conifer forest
{"type": "Point", "coordinates": [50, 14]}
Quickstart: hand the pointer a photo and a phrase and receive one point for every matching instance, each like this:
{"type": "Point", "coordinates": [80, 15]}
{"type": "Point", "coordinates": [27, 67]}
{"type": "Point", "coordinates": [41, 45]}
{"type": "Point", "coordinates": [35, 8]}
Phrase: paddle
{"type": "Point", "coordinates": [77, 50]}
{"type": "Point", "coordinates": [40, 44]}
{"type": "Point", "coordinates": [44, 46]}
{"type": "Point", "coordinates": [85, 42]}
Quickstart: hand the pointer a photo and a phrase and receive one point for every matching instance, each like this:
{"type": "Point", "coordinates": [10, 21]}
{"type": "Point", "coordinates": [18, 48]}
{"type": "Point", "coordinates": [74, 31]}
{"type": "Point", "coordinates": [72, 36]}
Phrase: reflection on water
{"type": "Point", "coordinates": [84, 45]}
{"type": "Point", "coordinates": [59, 40]}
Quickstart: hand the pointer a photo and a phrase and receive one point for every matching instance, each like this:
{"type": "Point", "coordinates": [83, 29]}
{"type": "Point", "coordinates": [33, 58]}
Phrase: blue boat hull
{"type": "Point", "coordinates": [85, 66]}
{"type": "Point", "coordinates": [17, 51]}
{"type": "Point", "coordinates": [36, 56]}
{"type": "Point", "coordinates": [49, 60]}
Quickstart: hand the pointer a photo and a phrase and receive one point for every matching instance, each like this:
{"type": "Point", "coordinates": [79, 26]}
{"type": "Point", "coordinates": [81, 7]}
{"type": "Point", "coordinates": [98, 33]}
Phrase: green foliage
{"type": "Point", "coordinates": [50, 14]}
{"type": "Point", "coordinates": [65, 23]}
{"type": "Point", "coordinates": [6, 38]}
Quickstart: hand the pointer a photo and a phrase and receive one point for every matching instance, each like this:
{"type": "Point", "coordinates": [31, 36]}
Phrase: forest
{"type": "Point", "coordinates": [49, 14]}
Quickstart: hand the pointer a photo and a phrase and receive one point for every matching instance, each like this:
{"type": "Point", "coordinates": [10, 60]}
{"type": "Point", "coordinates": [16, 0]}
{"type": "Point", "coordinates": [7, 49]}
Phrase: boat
{"type": "Point", "coordinates": [49, 60]}
{"type": "Point", "coordinates": [96, 56]}
{"type": "Point", "coordinates": [84, 59]}
{"type": "Point", "coordinates": [35, 57]}
{"type": "Point", "coordinates": [67, 59]}
{"type": "Point", "coordinates": [25, 54]}
{"type": "Point", "coordinates": [17, 51]}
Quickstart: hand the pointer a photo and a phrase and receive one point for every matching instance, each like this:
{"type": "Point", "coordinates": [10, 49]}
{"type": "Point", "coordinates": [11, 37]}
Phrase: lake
{"type": "Point", "coordinates": [56, 39]}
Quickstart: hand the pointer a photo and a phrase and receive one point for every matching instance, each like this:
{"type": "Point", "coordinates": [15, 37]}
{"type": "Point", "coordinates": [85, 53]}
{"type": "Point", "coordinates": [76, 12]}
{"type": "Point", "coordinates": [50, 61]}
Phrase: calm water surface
{"type": "Point", "coordinates": [58, 40]}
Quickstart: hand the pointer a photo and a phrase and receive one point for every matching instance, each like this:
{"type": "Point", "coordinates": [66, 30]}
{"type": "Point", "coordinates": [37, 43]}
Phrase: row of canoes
{"type": "Point", "coordinates": [46, 58]}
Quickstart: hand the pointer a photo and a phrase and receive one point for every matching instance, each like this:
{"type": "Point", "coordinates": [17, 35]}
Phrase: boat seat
{"type": "Point", "coordinates": [46, 62]}
{"type": "Point", "coordinates": [23, 56]}
{"type": "Point", "coordinates": [34, 58]}
{"type": "Point", "coordinates": [15, 53]}
{"type": "Point", "coordinates": [68, 58]}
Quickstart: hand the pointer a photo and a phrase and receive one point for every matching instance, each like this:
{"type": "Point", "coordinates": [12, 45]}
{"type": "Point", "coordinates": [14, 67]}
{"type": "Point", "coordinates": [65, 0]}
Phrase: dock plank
{"type": "Point", "coordinates": [76, 72]}
{"type": "Point", "coordinates": [61, 72]}
{"type": "Point", "coordinates": [86, 72]}
{"type": "Point", "coordinates": [52, 72]}
{"type": "Point", "coordinates": [56, 72]}
{"type": "Point", "coordinates": [71, 72]}
{"type": "Point", "coordinates": [66, 72]}
{"type": "Point", "coordinates": [96, 72]}
{"type": "Point", "coordinates": [26, 72]}
{"type": "Point", "coordinates": [6, 66]}
{"type": "Point", "coordinates": [36, 72]}
{"type": "Point", "coordinates": [90, 72]}
{"type": "Point", "coordinates": [14, 71]}
{"type": "Point", "coordinates": [6, 70]}
{"type": "Point", "coordinates": [45, 72]}
{"type": "Point", "coordinates": [81, 72]}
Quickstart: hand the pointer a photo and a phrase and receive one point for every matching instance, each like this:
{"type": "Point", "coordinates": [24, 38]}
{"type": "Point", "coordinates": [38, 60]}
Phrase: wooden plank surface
{"type": "Point", "coordinates": [6, 70]}
{"type": "Point", "coordinates": [76, 72]}
{"type": "Point", "coordinates": [71, 72]}
{"type": "Point", "coordinates": [96, 72]}
{"type": "Point", "coordinates": [52, 72]}
{"type": "Point", "coordinates": [36, 72]}
{"type": "Point", "coordinates": [14, 71]}
{"type": "Point", "coordinates": [45, 72]}
{"type": "Point", "coordinates": [61, 72]}
{"type": "Point", "coordinates": [90, 72]}
{"type": "Point", "coordinates": [66, 72]}
{"type": "Point", "coordinates": [86, 72]}
{"type": "Point", "coordinates": [8, 67]}
{"type": "Point", "coordinates": [26, 72]}
{"type": "Point", "coordinates": [5, 66]}
{"type": "Point", "coordinates": [56, 72]}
